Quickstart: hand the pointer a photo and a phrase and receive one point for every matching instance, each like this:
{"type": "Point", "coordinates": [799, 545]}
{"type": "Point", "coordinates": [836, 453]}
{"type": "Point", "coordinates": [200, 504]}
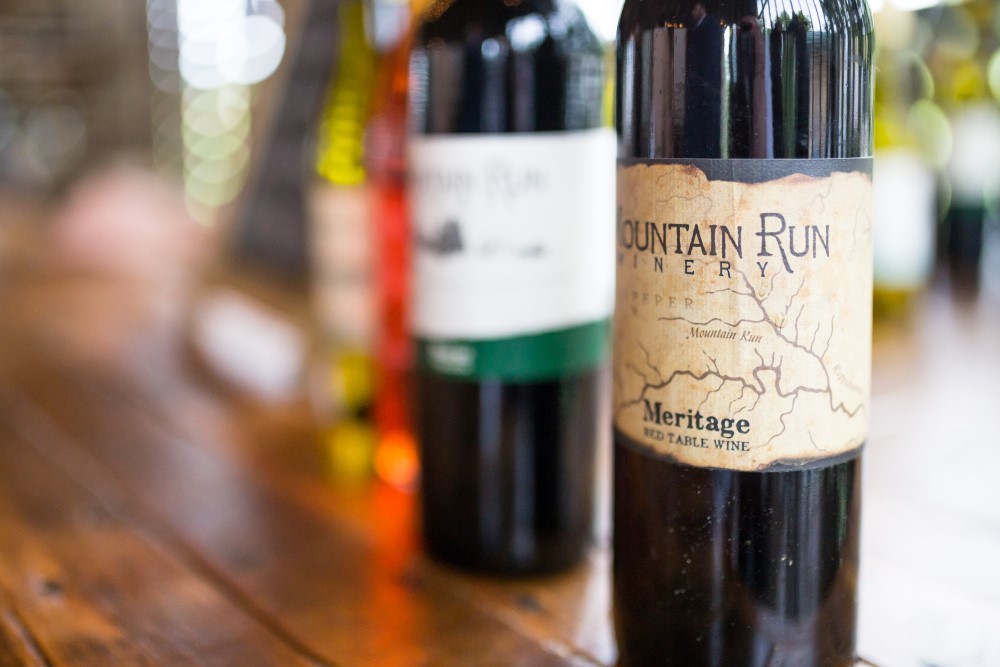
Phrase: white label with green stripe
{"type": "Point", "coordinates": [514, 252]}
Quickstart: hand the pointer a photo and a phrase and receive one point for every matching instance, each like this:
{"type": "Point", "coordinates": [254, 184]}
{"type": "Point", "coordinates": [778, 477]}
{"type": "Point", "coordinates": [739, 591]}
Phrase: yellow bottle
{"type": "Point", "coordinates": [342, 244]}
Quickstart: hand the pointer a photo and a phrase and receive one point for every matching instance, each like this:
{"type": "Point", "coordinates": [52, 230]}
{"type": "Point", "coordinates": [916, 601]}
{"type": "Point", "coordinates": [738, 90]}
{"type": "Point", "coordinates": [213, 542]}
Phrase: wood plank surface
{"type": "Point", "coordinates": [77, 566]}
{"type": "Point", "coordinates": [350, 590]}
{"type": "Point", "coordinates": [17, 646]}
{"type": "Point", "coordinates": [353, 599]}
{"type": "Point", "coordinates": [929, 585]}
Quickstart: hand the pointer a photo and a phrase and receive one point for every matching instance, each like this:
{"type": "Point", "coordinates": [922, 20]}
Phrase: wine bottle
{"type": "Point", "coordinates": [909, 132]}
{"type": "Point", "coordinates": [972, 168]}
{"type": "Point", "coordinates": [741, 372]}
{"type": "Point", "coordinates": [512, 194]}
{"type": "Point", "coordinates": [963, 81]}
{"type": "Point", "coordinates": [341, 241]}
{"type": "Point", "coordinates": [396, 453]}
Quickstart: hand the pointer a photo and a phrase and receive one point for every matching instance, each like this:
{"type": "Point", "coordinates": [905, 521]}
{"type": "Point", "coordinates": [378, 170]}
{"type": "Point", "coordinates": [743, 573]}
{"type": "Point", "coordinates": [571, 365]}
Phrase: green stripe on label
{"type": "Point", "coordinates": [543, 356]}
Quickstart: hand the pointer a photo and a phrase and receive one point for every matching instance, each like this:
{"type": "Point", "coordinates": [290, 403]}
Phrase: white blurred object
{"type": "Point", "coordinates": [603, 16]}
{"type": "Point", "coordinates": [253, 52]}
{"type": "Point", "coordinates": [974, 168]}
{"type": "Point", "coordinates": [225, 46]}
{"type": "Point", "coordinates": [389, 19]}
{"type": "Point", "coordinates": [910, 5]}
{"type": "Point", "coordinates": [248, 345]}
{"type": "Point", "coordinates": [225, 42]}
{"type": "Point", "coordinates": [271, 9]}
{"type": "Point", "coordinates": [904, 220]}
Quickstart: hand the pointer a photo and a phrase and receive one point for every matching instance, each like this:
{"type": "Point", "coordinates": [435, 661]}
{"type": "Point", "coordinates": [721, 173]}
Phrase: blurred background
{"type": "Point", "coordinates": [246, 159]}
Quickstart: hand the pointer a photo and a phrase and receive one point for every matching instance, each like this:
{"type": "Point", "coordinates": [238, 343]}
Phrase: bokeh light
{"type": "Point", "coordinates": [931, 129]}
{"type": "Point", "coordinates": [205, 56]}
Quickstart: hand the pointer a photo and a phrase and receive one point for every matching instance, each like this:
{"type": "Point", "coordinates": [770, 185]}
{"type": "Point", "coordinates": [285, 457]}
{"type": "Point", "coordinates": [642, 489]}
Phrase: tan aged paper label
{"type": "Point", "coordinates": [743, 317]}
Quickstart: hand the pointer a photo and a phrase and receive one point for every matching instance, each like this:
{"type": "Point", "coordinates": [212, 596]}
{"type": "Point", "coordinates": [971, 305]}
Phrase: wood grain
{"type": "Point", "coordinates": [80, 569]}
{"type": "Point", "coordinates": [303, 571]}
{"type": "Point", "coordinates": [17, 646]}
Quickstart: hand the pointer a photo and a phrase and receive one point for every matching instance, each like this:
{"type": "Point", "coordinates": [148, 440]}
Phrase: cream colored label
{"type": "Point", "coordinates": [342, 244]}
{"type": "Point", "coordinates": [743, 318]}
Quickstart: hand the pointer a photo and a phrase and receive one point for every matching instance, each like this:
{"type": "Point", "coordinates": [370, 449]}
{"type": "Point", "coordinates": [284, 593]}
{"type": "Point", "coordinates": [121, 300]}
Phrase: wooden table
{"type": "Point", "coordinates": [149, 516]}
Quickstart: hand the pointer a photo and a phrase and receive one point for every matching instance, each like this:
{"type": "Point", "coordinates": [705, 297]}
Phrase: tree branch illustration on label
{"type": "Point", "coordinates": [448, 240]}
{"type": "Point", "coordinates": [744, 315]}
{"type": "Point", "coordinates": [499, 184]}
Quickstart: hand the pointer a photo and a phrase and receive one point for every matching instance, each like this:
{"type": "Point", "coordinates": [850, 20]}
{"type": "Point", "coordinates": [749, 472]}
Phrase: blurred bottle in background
{"type": "Point", "coordinates": [396, 459]}
{"type": "Point", "coordinates": [360, 246]}
{"type": "Point", "coordinates": [511, 174]}
{"type": "Point", "coordinates": [911, 140]}
{"type": "Point", "coordinates": [974, 172]}
{"type": "Point", "coordinates": [937, 110]}
{"type": "Point", "coordinates": [963, 41]}
{"type": "Point", "coordinates": [965, 36]}
{"type": "Point", "coordinates": [342, 244]}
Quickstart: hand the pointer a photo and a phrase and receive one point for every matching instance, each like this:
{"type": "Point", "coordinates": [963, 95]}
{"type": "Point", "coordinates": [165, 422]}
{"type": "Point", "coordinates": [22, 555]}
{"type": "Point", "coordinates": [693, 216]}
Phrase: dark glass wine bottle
{"type": "Point", "coordinates": [512, 190]}
{"type": "Point", "coordinates": [742, 330]}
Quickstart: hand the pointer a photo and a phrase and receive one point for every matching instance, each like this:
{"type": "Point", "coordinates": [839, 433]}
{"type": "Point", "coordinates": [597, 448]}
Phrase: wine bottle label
{"type": "Point", "coordinates": [513, 261]}
{"type": "Point", "coordinates": [341, 241]}
{"type": "Point", "coordinates": [743, 317]}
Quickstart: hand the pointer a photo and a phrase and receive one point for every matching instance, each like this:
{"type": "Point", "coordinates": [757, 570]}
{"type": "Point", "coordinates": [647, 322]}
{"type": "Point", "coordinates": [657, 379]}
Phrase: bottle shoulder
{"type": "Point", "coordinates": [523, 24]}
{"type": "Point", "coordinates": [835, 17]}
